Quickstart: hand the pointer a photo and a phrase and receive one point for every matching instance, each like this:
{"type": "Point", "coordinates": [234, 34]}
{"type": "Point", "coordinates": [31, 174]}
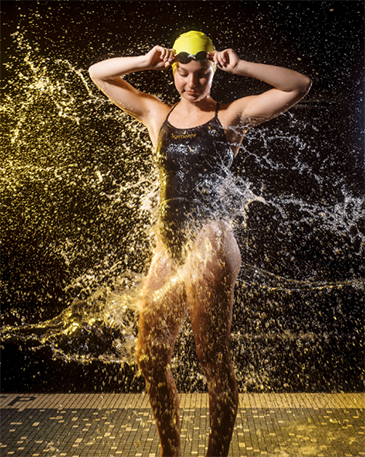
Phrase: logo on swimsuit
{"type": "Point", "coordinates": [187, 135]}
{"type": "Point", "coordinates": [213, 132]}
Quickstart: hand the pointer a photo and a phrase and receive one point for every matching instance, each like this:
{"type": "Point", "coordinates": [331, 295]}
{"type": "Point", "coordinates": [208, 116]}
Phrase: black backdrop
{"type": "Point", "coordinates": [302, 331]}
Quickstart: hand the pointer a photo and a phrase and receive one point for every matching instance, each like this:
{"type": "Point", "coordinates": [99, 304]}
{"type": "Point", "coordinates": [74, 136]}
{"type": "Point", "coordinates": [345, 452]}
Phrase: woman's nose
{"type": "Point", "coordinates": [192, 81]}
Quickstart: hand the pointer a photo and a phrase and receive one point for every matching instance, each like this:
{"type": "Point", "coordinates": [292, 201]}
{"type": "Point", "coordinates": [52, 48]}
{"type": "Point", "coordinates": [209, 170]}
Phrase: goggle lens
{"type": "Point", "coordinates": [185, 57]}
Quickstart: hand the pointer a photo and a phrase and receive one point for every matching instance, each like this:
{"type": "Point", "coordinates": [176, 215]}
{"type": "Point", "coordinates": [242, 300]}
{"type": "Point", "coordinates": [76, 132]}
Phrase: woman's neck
{"type": "Point", "coordinates": [186, 108]}
{"type": "Point", "coordinates": [190, 115]}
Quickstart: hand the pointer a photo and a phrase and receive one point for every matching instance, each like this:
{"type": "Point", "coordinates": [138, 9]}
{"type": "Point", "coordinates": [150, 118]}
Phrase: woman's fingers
{"type": "Point", "coordinates": [160, 57]}
{"type": "Point", "coordinates": [225, 60]}
{"type": "Point", "coordinates": [218, 57]}
{"type": "Point", "coordinates": [167, 55]}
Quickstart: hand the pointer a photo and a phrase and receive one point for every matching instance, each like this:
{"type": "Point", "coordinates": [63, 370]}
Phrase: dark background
{"type": "Point", "coordinates": [303, 332]}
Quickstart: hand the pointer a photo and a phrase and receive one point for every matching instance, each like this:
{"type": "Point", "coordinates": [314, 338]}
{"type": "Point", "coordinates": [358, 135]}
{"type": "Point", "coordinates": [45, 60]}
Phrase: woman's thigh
{"type": "Point", "coordinates": [214, 268]}
{"type": "Point", "coordinates": [162, 305]}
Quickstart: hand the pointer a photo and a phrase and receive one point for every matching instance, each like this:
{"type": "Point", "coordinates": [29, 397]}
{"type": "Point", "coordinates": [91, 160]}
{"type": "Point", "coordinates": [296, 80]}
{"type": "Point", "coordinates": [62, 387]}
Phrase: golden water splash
{"type": "Point", "coordinates": [79, 187]}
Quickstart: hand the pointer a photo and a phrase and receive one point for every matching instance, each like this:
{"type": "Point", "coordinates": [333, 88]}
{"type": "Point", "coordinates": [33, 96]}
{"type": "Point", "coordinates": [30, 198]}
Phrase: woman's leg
{"type": "Point", "coordinates": [162, 312]}
{"type": "Point", "coordinates": [210, 298]}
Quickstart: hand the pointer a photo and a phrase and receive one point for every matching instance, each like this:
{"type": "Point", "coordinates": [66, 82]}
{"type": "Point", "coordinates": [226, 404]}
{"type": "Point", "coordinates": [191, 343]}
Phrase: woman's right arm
{"type": "Point", "coordinates": [108, 76]}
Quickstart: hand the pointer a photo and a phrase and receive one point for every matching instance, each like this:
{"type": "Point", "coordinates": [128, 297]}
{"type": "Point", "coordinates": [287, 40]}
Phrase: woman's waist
{"type": "Point", "coordinates": [178, 203]}
{"type": "Point", "coordinates": [198, 192]}
{"type": "Point", "coordinates": [180, 209]}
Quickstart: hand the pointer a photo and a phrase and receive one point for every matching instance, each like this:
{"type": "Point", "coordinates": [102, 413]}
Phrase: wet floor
{"type": "Point", "coordinates": [111, 425]}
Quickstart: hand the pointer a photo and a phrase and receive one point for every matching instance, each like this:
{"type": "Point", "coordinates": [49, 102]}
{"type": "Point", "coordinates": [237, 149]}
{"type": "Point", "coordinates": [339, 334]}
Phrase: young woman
{"type": "Point", "coordinates": [197, 259]}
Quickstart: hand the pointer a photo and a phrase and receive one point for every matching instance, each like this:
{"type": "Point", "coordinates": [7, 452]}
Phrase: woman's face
{"type": "Point", "coordinates": [193, 80]}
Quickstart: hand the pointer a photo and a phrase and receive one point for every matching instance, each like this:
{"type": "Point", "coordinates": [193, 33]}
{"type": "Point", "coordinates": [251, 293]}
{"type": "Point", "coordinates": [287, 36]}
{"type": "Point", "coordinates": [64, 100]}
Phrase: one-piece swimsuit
{"type": "Point", "coordinates": [193, 165]}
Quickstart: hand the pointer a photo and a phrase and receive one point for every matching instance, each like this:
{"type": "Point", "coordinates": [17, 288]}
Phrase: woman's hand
{"type": "Point", "coordinates": [159, 58]}
{"type": "Point", "coordinates": [226, 60]}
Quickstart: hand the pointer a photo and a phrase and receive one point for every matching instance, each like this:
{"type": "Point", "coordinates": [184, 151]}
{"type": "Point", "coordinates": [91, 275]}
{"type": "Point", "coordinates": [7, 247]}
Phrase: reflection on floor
{"type": "Point", "coordinates": [112, 425]}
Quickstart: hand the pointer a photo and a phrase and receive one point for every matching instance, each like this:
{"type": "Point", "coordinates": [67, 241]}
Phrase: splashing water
{"type": "Point", "coordinates": [79, 186]}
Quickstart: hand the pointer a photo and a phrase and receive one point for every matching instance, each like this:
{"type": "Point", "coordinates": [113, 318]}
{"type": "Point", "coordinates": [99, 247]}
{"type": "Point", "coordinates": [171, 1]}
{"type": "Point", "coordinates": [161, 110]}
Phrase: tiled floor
{"type": "Point", "coordinates": [112, 425]}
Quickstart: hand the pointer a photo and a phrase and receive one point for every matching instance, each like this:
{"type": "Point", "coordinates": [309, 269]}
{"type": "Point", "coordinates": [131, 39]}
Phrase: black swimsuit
{"type": "Point", "coordinates": [193, 164]}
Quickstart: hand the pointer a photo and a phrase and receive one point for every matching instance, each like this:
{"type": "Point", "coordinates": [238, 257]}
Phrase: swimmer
{"type": "Point", "coordinates": [197, 259]}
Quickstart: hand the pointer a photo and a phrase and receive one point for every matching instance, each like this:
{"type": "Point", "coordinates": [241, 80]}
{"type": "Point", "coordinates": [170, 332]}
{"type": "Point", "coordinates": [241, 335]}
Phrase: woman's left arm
{"type": "Point", "coordinates": [289, 86]}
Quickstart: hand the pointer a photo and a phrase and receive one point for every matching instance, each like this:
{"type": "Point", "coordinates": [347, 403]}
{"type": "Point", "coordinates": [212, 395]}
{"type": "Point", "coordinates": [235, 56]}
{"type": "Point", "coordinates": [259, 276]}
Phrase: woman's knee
{"type": "Point", "coordinates": [215, 362]}
{"type": "Point", "coordinates": [153, 355]}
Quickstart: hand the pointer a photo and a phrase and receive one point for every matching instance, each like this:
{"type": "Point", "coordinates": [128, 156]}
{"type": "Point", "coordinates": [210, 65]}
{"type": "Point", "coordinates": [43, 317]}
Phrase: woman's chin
{"type": "Point", "coordinates": [193, 96]}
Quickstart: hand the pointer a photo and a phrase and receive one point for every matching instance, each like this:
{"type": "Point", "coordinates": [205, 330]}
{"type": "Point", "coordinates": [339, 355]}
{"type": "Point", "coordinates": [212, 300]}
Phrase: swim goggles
{"type": "Point", "coordinates": [185, 57]}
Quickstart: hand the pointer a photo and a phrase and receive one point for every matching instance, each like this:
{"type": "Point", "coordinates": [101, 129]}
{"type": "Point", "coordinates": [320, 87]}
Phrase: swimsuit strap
{"type": "Point", "coordinates": [167, 117]}
{"type": "Point", "coordinates": [216, 110]}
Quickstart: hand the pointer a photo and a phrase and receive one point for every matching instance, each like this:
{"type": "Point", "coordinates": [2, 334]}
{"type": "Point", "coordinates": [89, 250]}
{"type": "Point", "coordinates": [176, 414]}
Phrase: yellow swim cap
{"type": "Point", "coordinates": [193, 42]}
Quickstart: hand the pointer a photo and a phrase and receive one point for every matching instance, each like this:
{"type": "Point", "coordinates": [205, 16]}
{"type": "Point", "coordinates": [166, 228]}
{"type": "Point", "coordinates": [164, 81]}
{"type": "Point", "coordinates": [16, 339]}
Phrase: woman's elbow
{"type": "Point", "coordinates": [305, 85]}
{"type": "Point", "coordinates": [93, 72]}
{"type": "Point", "coordinates": [99, 74]}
